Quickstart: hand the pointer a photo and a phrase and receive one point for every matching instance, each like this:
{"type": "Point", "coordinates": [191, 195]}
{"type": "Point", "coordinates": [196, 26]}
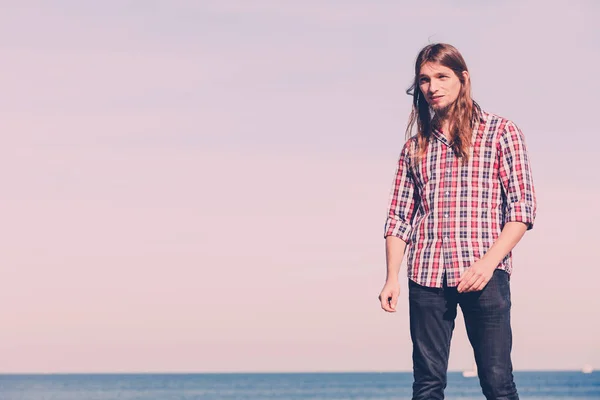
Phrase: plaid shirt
{"type": "Point", "coordinates": [449, 214]}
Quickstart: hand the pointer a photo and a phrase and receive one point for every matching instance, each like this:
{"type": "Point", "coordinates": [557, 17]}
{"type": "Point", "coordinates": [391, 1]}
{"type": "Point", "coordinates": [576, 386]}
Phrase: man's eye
{"type": "Point", "coordinates": [423, 80]}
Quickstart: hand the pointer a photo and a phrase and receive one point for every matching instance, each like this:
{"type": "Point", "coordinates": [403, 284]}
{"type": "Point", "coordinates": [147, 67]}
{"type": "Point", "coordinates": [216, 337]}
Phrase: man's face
{"type": "Point", "coordinates": [439, 85]}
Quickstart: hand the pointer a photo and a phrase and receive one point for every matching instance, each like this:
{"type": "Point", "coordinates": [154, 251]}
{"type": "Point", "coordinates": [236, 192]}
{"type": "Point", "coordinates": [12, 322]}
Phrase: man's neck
{"type": "Point", "coordinates": [443, 125]}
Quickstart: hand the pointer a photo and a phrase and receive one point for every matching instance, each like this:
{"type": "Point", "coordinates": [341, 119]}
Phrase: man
{"type": "Point", "coordinates": [462, 198]}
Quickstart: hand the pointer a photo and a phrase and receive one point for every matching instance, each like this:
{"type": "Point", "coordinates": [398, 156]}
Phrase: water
{"type": "Point", "coordinates": [292, 386]}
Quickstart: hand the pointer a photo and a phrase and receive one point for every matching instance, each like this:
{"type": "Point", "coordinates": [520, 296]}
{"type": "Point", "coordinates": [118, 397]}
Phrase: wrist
{"type": "Point", "coordinates": [489, 265]}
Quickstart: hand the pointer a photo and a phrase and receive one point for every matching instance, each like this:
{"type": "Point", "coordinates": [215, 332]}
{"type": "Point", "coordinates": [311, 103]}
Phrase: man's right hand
{"type": "Point", "coordinates": [389, 296]}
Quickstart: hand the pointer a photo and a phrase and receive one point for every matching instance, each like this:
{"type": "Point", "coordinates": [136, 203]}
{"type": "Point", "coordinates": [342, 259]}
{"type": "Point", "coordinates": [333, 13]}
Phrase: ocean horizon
{"type": "Point", "coordinates": [260, 372]}
{"type": "Point", "coordinates": [385, 385]}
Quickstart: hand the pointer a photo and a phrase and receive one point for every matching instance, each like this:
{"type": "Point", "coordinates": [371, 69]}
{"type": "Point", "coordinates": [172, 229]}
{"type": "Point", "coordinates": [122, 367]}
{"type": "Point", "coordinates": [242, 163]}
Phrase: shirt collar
{"type": "Point", "coordinates": [442, 138]}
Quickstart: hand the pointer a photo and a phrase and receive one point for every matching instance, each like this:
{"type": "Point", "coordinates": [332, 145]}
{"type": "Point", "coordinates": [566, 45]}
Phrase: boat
{"type": "Point", "coordinates": [470, 373]}
{"type": "Point", "coordinates": [587, 369]}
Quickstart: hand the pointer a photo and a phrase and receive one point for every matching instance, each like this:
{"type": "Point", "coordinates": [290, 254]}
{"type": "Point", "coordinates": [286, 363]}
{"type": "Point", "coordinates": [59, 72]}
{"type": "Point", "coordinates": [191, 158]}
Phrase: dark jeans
{"type": "Point", "coordinates": [487, 319]}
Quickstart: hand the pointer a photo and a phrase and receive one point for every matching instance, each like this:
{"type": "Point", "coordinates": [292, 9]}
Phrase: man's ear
{"type": "Point", "coordinates": [465, 75]}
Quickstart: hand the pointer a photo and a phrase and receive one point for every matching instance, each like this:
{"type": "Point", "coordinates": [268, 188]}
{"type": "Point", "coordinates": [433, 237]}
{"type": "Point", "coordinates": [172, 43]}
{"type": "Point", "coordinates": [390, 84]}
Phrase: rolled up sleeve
{"type": "Point", "coordinates": [401, 202]}
{"type": "Point", "coordinates": [516, 178]}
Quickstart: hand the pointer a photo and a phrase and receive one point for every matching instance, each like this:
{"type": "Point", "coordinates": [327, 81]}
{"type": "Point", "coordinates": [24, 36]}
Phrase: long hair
{"type": "Point", "coordinates": [464, 112]}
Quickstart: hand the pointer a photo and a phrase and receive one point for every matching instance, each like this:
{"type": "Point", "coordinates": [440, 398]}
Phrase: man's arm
{"type": "Point", "coordinates": [401, 206]}
{"type": "Point", "coordinates": [398, 228]}
{"type": "Point", "coordinates": [517, 183]}
{"type": "Point", "coordinates": [516, 177]}
{"type": "Point", "coordinates": [479, 274]}
{"type": "Point", "coordinates": [394, 252]}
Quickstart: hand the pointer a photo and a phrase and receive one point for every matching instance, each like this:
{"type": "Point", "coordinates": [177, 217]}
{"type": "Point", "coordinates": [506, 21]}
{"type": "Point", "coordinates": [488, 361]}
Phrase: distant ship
{"type": "Point", "coordinates": [470, 373]}
{"type": "Point", "coordinates": [587, 369]}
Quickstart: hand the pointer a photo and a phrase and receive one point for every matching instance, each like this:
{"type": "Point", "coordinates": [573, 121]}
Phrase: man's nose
{"type": "Point", "coordinates": [433, 87]}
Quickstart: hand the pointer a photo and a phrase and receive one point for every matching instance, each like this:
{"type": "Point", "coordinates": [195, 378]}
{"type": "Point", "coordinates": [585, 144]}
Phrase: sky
{"type": "Point", "coordinates": [201, 186]}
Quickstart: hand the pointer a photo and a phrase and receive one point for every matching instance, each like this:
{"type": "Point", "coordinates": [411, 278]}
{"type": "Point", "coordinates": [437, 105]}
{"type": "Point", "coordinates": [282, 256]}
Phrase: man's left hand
{"type": "Point", "coordinates": [476, 277]}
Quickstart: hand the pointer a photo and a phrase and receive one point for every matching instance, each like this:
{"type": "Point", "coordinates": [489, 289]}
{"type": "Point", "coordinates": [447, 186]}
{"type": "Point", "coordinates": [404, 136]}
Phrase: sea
{"type": "Point", "coordinates": [293, 386]}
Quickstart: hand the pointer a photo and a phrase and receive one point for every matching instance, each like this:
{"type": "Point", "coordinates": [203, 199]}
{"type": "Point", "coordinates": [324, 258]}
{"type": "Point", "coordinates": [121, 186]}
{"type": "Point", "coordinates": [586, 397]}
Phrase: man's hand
{"type": "Point", "coordinates": [389, 295]}
{"type": "Point", "coordinates": [476, 277]}
{"type": "Point", "coordinates": [479, 274]}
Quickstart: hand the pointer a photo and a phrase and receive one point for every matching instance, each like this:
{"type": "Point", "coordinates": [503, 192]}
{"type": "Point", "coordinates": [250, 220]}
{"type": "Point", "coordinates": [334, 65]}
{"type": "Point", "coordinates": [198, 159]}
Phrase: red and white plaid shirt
{"type": "Point", "coordinates": [450, 214]}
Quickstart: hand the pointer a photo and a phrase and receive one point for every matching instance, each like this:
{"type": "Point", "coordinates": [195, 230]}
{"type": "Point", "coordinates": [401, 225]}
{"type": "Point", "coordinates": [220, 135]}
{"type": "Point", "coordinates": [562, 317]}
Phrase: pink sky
{"type": "Point", "coordinates": [203, 188]}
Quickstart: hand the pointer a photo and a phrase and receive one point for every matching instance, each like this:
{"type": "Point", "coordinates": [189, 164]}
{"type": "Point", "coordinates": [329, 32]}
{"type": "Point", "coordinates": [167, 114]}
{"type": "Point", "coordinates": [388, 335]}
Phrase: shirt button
{"type": "Point", "coordinates": [447, 194]}
{"type": "Point", "coordinates": [446, 215]}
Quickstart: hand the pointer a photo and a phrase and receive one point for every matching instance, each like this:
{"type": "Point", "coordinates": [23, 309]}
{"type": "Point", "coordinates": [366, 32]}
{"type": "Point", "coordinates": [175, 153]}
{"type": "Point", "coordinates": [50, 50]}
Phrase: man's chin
{"type": "Point", "coordinates": [440, 109]}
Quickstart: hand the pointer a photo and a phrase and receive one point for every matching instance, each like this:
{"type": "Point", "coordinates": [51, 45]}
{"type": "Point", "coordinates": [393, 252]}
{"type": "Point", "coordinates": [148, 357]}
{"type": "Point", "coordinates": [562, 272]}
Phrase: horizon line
{"type": "Point", "coordinates": [266, 372]}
